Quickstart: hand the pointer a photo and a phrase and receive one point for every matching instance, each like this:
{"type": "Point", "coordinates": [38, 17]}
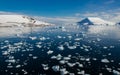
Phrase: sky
{"type": "Point", "coordinates": [61, 8]}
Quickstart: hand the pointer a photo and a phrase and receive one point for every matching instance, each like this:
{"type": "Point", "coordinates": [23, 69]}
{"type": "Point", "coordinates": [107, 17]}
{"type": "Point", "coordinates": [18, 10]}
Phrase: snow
{"type": "Point", "coordinates": [62, 62]}
{"type": "Point", "coordinates": [56, 68]}
{"type": "Point", "coordinates": [19, 20]}
{"type": "Point", "coordinates": [13, 19]}
{"type": "Point", "coordinates": [105, 61]}
{"type": "Point", "coordinates": [95, 21]}
{"type": "Point", "coordinates": [63, 71]}
{"type": "Point", "coordinates": [58, 57]}
{"type": "Point", "coordinates": [33, 38]}
{"type": "Point", "coordinates": [81, 72]}
{"type": "Point", "coordinates": [49, 52]}
{"type": "Point", "coordinates": [18, 66]}
{"type": "Point", "coordinates": [71, 64]}
{"type": "Point", "coordinates": [115, 72]}
{"type": "Point", "coordinates": [66, 58]}
{"type": "Point", "coordinates": [61, 47]}
{"type": "Point", "coordinates": [45, 66]}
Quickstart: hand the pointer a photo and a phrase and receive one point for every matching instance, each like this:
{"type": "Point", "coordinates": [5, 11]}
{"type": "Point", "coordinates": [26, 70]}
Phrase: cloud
{"type": "Point", "coordinates": [59, 20]}
{"type": "Point", "coordinates": [110, 2]}
{"type": "Point", "coordinates": [110, 15]}
{"type": "Point", "coordinates": [77, 14]}
{"type": "Point", "coordinates": [3, 12]}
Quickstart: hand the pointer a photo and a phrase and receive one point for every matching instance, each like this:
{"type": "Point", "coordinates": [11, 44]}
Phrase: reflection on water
{"type": "Point", "coordinates": [60, 50]}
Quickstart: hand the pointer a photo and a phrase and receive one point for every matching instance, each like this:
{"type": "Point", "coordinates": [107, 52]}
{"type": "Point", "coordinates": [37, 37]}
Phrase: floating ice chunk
{"type": "Point", "coordinates": [109, 53]}
{"type": "Point", "coordinates": [66, 58]}
{"type": "Point", "coordinates": [69, 37]}
{"type": "Point", "coordinates": [81, 72]}
{"type": "Point", "coordinates": [87, 59]}
{"type": "Point", "coordinates": [105, 47]}
{"type": "Point", "coordinates": [78, 39]}
{"type": "Point", "coordinates": [59, 56]}
{"type": "Point", "coordinates": [25, 72]}
{"type": "Point", "coordinates": [63, 71]}
{"type": "Point", "coordinates": [18, 66]}
{"type": "Point", "coordinates": [82, 59]}
{"type": "Point", "coordinates": [35, 57]}
{"type": "Point", "coordinates": [56, 68]}
{"type": "Point", "coordinates": [62, 62]}
{"type": "Point", "coordinates": [5, 53]}
{"type": "Point", "coordinates": [61, 47]}
{"type": "Point", "coordinates": [45, 66]}
{"type": "Point", "coordinates": [80, 65]}
{"type": "Point", "coordinates": [10, 60]}
{"type": "Point", "coordinates": [53, 57]}
{"type": "Point", "coordinates": [19, 43]}
{"type": "Point", "coordinates": [98, 39]}
{"type": "Point", "coordinates": [115, 72]}
{"type": "Point", "coordinates": [42, 38]}
{"type": "Point", "coordinates": [49, 52]}
{"type": "Point", "coordinates": [62, 28]}
{"type": "Point", "coordinates": [3, 47]}
{"type": "Point", "coordinates": [39, 46]}
{"type": "Point", "coordinates": [38, 43]}
{"type": "Point", "coordinates": [72, 47]}
{"type": "Point", "coordinates": [100, 73]}
{"type": "Point", "coordinates": [112, 46]}
{"type": "Point", "coordinates": [33, 38]}
{"type": "Point", "coordinates": [94, 59]}
{"type": "Point", "coordinates": [105, 61]}
{"type": "Point", "coordinates": [69, 56]}
{"type": "Point", "coordinates": [81, 47]}
{"type": "Point", "coordinates": [86, 50]}
{"type": "Point", "coordinates": [30, 55]}
{"type": "Point", "coordinates": [59, 37]}
{"type": "Point", "coordinates": [9, 66]}
{"type": "Point", "coordinates": [71, 64]}
{"type": "Point", "coordinates": [6, 41]}
{"type": "Point", "coordinates": [71, 73]}
{"type": "Point", "coordinates": [109, 69]}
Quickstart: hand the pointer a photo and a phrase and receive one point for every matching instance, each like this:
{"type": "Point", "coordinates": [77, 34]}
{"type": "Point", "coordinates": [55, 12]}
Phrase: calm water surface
{"type": "Point", "coordinates": [60, 50]}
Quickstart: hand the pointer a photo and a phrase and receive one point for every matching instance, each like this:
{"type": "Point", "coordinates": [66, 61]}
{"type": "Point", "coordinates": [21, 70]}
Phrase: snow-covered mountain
{"type": "Point", "coordinates": [94, 21]}
{"type": "Point", "coordinates": [19, 20]}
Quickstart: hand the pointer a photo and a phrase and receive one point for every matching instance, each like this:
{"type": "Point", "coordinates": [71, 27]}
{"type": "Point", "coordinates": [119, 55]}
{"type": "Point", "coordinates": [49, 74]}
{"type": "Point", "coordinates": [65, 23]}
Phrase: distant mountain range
{"type": "Point", "coordinates": [94, 21]}
{"type": "Point", "coordinates": [10, 20]}
{"type": "Point", "coordinates": [19, 20]}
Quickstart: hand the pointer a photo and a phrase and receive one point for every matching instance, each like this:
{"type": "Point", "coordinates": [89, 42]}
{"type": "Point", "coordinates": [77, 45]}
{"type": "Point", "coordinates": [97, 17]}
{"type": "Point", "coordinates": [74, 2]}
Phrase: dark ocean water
{"type": "Point", "coordinates": [60, 50]}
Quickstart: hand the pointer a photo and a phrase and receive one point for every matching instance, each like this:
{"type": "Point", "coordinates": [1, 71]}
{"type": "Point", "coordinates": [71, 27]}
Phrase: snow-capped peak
{"type": "Point", "coordinates": [94, 21]}
{"type": "Point", "coordinates": [19, 19]}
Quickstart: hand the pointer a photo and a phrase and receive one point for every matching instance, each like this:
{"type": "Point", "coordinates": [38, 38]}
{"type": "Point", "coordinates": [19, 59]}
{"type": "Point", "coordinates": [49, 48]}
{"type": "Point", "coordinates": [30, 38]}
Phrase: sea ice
{"type": "Point", "coordinates": [56, 68]}
{"type": "Point", "coordinates": [63, 71]}
{"type": "Point", "coordinates": [105, 61]}
{"type": "Point", "coordinates": [49, 52]}
{"type": "Point", "coordinates": [61, 47]}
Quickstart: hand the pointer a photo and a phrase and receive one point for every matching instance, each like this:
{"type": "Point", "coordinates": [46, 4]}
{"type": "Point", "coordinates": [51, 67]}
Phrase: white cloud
{"type": "Point", "coordinates": [110, 1]}
{"type": "Point", "coordinates": [77, 14]}
{"type": "Point", "coordinates": [3, 12]}
{"type": "Point", "coordinates": [59, 20]}
{"type": "Point", "coordinates": [110, 15]}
